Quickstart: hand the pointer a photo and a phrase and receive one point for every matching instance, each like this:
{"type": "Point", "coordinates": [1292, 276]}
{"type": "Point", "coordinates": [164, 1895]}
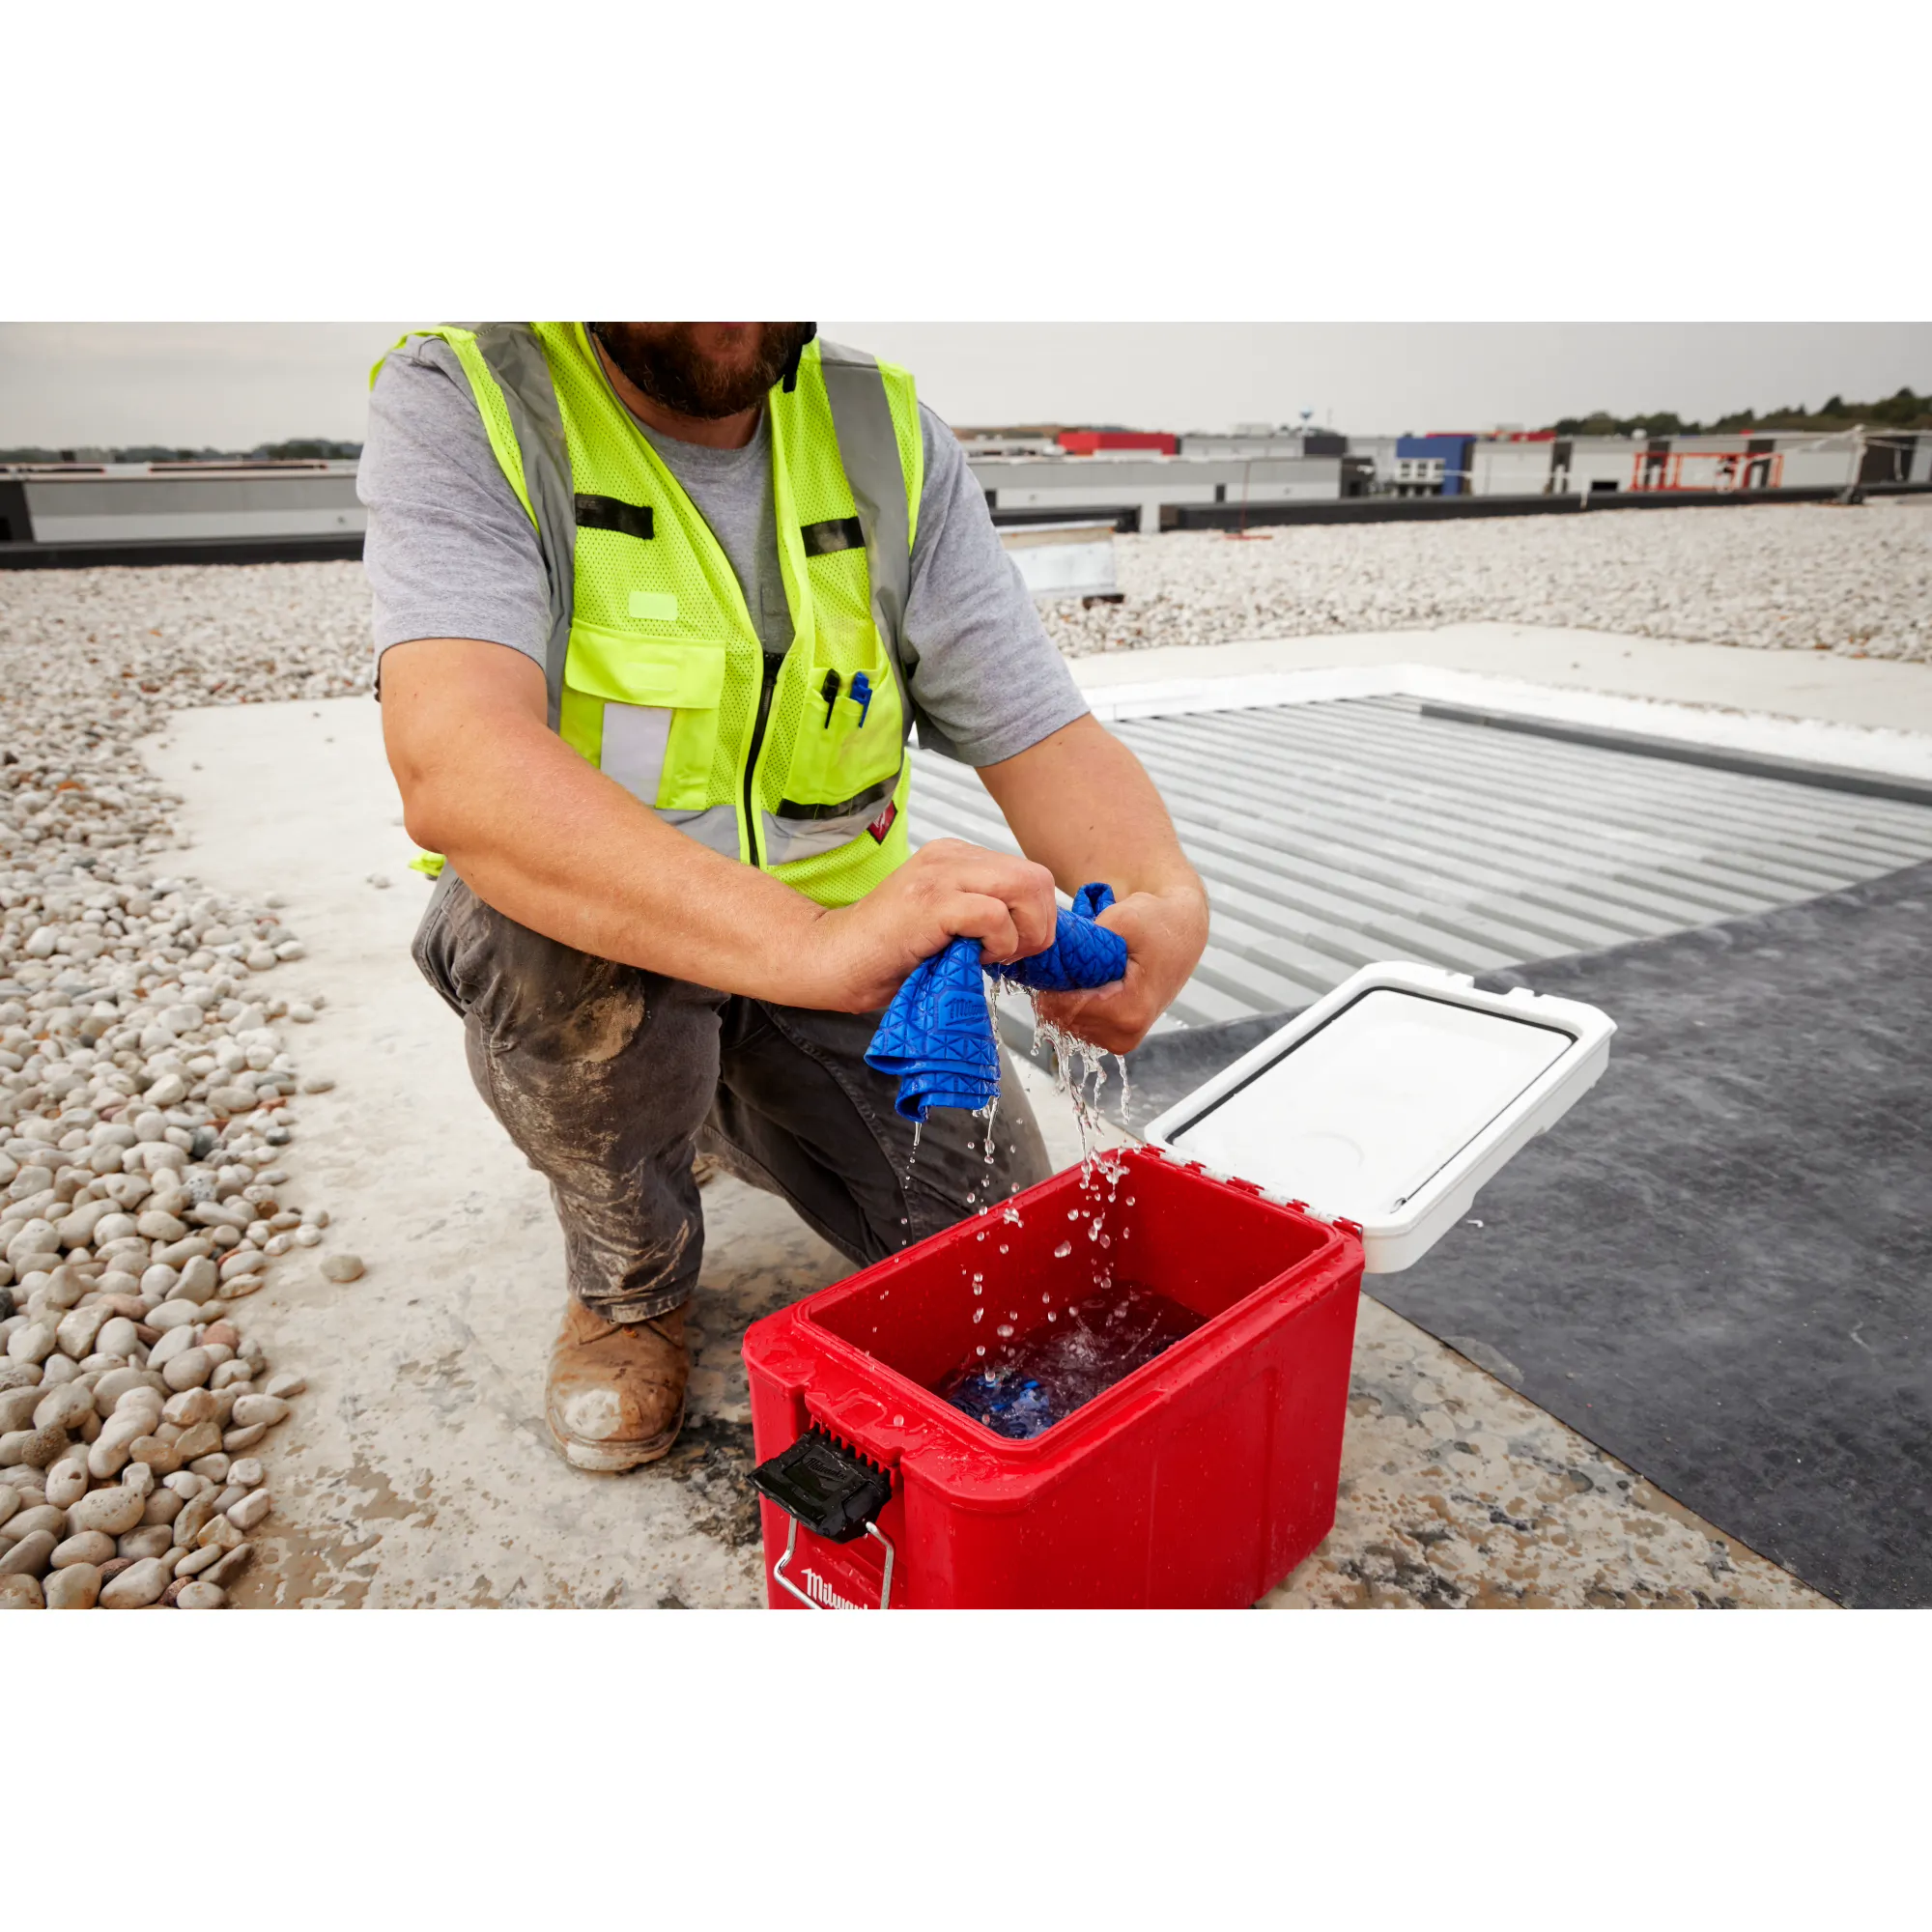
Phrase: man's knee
{"type": "Point", "coordinates": [522, 991]}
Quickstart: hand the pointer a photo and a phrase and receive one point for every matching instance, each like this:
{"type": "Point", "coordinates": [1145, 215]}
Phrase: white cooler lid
{"type": "Point", "coordinates": [1391, 1100]}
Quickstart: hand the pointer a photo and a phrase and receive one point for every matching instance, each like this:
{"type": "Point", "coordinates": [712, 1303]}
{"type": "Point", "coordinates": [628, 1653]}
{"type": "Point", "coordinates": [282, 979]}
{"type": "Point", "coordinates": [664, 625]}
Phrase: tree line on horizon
{"type": "Point", "coordinates": [1903, 410]}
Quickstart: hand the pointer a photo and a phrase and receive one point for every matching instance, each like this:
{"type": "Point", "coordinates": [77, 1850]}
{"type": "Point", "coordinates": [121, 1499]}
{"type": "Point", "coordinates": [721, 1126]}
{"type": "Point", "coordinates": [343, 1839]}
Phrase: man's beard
{"type": "Point", "coordinates": [662, 359]}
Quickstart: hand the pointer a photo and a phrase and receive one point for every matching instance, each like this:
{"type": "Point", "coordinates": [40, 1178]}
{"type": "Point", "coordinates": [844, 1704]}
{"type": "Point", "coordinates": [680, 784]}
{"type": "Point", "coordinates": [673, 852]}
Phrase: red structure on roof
{"type": "Point", "coordinates": [1087, 441]}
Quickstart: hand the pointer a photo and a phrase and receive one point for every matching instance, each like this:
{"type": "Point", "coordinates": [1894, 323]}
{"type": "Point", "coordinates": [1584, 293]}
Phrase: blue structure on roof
{"type": "Point", "coordinates": [1416, 458]}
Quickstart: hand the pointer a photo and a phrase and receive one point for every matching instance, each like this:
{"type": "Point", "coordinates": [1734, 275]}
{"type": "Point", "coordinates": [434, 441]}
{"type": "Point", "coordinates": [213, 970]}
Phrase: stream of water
{"type": "Point", "coordinates": [1029, 1372]}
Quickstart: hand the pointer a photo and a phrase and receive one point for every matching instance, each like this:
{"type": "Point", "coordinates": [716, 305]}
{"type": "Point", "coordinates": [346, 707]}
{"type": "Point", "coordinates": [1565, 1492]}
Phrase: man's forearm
{"type": "Point", "coordinates": [545, 838]}
{"type": "Point", "coordinates": [1082, 805]}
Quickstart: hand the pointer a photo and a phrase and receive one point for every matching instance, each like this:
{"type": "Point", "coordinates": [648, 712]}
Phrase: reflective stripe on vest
{"type": "Point", "coordinates": [654, 668]}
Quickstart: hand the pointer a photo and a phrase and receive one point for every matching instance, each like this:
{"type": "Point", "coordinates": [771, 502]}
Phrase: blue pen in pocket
{"type": "Point", "coordinates": [861, 694]}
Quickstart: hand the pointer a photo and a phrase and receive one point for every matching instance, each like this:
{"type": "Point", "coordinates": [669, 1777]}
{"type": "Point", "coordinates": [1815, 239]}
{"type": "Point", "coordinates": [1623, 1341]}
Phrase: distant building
{"type": "Point", "coordinates": [1432, 466]}
{"type": "Point", "coordinates": [1249, 440]}
{"type": "Point", "coordinates": [1090, 442]}
{"type": "Point", "coordinates": [1041, 475]}
{"type": "Point", "coordinates": [161, 502]}
{"type": "Point", "coordinates": [1510, 465]}
{"type": "Point", "coordinates": [1150, 491]}
{"type": "Point", "coordinates": [1010, 440]}
{"type": "Point", "coordinates": [1782, 460]}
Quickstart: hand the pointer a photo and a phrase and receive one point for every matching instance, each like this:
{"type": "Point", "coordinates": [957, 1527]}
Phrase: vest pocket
{"type": "Point", "coordinates": [847, 752]}
{"type": "Point", "coordinates": [644, 711]}
{"type": "Point", "coordinates": [844, 747]}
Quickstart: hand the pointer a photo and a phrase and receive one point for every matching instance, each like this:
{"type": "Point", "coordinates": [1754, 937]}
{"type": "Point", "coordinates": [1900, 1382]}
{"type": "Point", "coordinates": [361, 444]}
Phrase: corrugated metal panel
{"type": "Point", "coordinates": [1332, 834]}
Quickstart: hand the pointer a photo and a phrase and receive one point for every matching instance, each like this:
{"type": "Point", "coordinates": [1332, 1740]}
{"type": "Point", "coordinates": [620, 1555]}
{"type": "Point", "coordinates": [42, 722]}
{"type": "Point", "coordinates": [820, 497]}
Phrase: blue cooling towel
{"type": "Point", "coordinates": [937, 1034]}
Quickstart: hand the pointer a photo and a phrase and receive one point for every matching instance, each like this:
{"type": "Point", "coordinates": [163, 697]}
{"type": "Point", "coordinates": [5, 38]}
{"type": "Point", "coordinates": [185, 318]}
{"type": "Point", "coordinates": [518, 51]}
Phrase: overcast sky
{"type": "Point", "coordinates": [234, 385]}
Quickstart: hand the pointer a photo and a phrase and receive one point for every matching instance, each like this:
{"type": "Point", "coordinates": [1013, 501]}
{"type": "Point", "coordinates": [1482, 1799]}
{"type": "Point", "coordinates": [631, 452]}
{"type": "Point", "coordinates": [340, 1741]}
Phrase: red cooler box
{"type": "Point", "coordinates": [1204, 1476]}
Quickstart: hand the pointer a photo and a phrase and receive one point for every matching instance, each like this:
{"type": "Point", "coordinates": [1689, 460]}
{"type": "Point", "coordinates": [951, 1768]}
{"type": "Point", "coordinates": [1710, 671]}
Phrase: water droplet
{"type": "Point", "coordinates": [978, 1314]}
{"type": "Point", "coordinates": [1005, 1329]}
{"type": "Point", "coordinates": [1065, 1249]}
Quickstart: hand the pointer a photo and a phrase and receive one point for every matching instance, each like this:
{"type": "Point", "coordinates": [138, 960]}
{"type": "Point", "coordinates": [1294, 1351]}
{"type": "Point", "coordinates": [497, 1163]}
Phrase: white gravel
{"type": "Point", "coordinates": [143, 1085]}
{"type": "Point", "coordinates": [1788, 576]}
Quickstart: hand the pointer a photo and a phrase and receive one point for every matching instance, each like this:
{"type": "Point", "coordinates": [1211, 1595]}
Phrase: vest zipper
{"type": "Point", "coordinates": [774, 664]}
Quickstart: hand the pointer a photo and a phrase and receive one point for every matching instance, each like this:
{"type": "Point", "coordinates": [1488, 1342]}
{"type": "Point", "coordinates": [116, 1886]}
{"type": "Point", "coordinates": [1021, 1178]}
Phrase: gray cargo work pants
{"type": "Point", "coordinates": [608, 1078]}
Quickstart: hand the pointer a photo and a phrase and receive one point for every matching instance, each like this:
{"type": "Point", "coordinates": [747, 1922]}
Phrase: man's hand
{"type": "Point", "coordinates": [1165, 934]}
{"type": "Point", "coordinates": [858, 957]}
{"type": "Point", "coordinates": [1080, 803]}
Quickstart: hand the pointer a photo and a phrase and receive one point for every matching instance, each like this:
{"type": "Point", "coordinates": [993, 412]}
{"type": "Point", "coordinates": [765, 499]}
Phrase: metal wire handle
{"type": "Point", "coordinates": [811, 1602]}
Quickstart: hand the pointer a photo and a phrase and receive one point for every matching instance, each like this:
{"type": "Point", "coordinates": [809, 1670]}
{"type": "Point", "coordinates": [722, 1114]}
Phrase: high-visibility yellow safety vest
{"type": "Point", "coordinates": [656, 671]}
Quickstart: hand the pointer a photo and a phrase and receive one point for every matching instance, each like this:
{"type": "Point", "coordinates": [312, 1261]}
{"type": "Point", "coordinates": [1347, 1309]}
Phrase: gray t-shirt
{"type": "Point", "coordinates": [450, 553]}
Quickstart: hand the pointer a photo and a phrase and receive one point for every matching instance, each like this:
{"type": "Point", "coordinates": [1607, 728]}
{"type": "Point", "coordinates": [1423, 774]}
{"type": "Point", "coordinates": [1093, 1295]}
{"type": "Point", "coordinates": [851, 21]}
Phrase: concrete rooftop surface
{"type": "Point", "coordinates": [416, 1469]}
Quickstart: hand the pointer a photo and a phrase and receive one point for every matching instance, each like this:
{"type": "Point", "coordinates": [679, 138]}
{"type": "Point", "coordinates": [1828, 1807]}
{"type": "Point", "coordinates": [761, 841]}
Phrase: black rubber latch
{"type": "Point", "coordinates": [832, 1492]}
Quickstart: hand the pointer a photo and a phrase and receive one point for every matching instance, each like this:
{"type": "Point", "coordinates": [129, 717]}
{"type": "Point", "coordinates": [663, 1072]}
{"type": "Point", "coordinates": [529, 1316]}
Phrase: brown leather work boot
{"type": "Point", "coordinates": [615, 1397]}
